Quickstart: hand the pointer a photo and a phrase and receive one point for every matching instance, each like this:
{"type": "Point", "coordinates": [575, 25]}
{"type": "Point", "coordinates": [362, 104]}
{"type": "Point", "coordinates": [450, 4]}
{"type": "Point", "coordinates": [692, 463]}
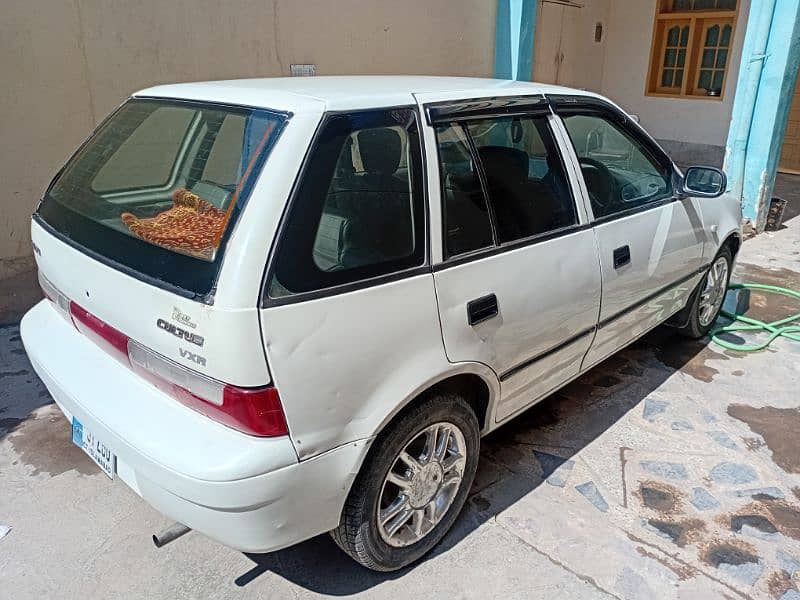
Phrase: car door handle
{"type": "Point", "coordinates": [622, 256]}
{"type": "Point", "coordinates": [482, 309]}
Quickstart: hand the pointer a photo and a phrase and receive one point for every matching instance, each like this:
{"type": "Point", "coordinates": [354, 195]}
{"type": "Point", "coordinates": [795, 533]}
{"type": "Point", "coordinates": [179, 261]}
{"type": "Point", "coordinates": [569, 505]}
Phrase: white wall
{"type": "Point", "coordinates": [627, 52]}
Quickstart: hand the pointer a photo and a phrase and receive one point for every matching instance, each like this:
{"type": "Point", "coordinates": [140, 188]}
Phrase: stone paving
{"type": "Point", "coordinates": [672, 470]}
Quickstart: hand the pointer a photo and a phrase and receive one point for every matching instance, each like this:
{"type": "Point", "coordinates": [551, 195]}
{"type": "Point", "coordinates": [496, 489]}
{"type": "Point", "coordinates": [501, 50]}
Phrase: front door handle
{"type": "Point", "coordinates": [622, 256]}
{"type": "Point", "coordinates": [482, 309]}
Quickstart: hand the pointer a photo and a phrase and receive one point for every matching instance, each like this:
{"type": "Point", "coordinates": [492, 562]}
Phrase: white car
{"type": "Point", "coordinates": [281, 307]}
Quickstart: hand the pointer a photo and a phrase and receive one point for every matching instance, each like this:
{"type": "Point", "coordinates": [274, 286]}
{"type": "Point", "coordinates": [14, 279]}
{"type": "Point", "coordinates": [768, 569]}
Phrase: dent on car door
{"type": "Point", "coordinates": [519, 285]}
{"type": "Point", "coordinates": [650, 242]}
{"type": "Point", "coordinates": [350, 324]}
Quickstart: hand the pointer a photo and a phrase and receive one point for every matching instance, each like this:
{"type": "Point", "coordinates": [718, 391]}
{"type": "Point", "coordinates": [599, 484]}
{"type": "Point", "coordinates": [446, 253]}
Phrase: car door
{"type": "Point", "coordinates": [349, 317]}
{"type": "Point", "coordinates": [517, 282]}
{"type": "Point", "coordinates": [650, 241]}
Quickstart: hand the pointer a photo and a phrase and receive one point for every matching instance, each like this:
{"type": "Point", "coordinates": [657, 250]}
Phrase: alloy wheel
{"type": "Point", "coordinates": [421, 484]}
{"type": "Point", "coordinates": [713, 293]}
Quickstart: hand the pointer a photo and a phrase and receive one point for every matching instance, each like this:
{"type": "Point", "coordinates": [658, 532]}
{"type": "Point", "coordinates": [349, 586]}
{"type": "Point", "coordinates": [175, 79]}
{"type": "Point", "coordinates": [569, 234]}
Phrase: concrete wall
{"type": "Point", "coordinates": [65, 65]}
{"type": "Point", "coordinates": [689, 128]}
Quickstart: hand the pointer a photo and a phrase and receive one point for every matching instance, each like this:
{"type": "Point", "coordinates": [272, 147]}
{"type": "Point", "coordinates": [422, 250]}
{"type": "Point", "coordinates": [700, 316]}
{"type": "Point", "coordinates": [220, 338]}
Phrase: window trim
{"type": "Point", "coordinates": [484, 182]}
{"type": "Point", "coordinates": [654, 81]}
{"type": "Point", "coordinates": [265, 300]}
{"type": "Point", "coordinates": [449, 111]}
{"type": "Point", "coordinates": [490, 251]}
{"type": "Point", "coordinates": [694, 50]}
{"type": "Point", "coordinates": [587, 105]}
{"type": "Point", "coordinates": [497, 247]}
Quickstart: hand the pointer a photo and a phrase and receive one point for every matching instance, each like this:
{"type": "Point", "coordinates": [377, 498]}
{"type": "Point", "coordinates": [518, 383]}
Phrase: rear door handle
{"type": "Point", "coordinates": [482, 309]}
{"type": "Point", "coordinates": [622, 256]}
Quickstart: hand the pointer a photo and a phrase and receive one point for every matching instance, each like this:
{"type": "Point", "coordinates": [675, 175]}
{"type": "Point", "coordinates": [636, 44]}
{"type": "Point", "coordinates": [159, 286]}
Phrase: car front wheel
{"type": "Point", "coordinates": [710, 296]}
{"type": "Point", "coordinates": [412, 486]}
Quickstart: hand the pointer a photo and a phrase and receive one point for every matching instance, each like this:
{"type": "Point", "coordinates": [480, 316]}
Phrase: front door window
{"type": "Point", "coordinates": [619, 170]}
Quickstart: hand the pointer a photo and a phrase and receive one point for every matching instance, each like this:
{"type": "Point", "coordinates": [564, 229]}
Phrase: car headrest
{"type": "Point", "coordinates": [503, 163]}
{"type": "Point", "coordinates": [380, 150]}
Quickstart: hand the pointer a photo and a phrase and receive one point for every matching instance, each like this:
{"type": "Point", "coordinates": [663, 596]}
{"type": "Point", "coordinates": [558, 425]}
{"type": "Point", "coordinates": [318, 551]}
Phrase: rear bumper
{"type": "Point", "coordinates": [248, 493]}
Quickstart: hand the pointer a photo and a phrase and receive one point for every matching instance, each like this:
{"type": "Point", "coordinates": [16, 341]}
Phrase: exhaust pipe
{"type": "Point", "coordinates": [170, 534]}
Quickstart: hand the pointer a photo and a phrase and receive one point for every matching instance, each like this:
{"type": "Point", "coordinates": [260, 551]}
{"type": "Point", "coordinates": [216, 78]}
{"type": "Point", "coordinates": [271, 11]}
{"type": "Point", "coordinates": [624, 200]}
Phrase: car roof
{"type": "Point", "coordinates": [298, 94]}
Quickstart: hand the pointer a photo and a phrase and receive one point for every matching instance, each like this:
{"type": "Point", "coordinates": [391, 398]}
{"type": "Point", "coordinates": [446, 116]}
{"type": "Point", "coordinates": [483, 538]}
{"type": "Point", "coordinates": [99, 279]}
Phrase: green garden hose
{"type": "Point", "coordinates": [788, 327]}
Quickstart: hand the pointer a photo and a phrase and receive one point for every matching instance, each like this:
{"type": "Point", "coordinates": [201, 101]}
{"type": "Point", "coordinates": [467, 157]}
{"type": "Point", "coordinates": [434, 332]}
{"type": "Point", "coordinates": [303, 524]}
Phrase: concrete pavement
{"type": "Point", "coordinates": [672, 470]}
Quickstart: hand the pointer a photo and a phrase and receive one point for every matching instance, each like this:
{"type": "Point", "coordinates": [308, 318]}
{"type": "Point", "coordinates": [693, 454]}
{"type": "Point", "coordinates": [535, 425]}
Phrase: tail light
{"type": "Point", "coordinates": [255, 411]}
{"type": "Point", "coordinates": [111, 340]}
{"type": "Point", "coordinates": [51, 292]}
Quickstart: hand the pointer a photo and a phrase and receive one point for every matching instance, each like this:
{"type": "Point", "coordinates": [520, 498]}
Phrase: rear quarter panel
{"type": "Point", "coordinates": [345, 364]}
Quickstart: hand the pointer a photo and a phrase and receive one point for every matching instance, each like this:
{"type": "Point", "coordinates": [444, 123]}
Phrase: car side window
{"type": "Point", "coordinates": [467, 224]}
{"type": "Point", "coordinates": [619, 170]}
{"type": "Point", "coordinates": [517, 164]}
{"type": "Point", "coordinates": [358, 210]}
{"type": "Point", "coordinates": [525, 177]}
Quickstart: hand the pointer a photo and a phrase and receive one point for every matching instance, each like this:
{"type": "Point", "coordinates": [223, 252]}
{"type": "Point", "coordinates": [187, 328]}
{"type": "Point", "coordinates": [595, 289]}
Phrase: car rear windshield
{"type": "Point", "coordinates": [158, 186]}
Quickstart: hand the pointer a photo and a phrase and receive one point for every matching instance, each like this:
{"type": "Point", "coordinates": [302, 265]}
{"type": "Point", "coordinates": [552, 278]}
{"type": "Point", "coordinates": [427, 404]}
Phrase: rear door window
{"type": "Point", "coordinates": [503, 180]}
{"type": "Point", "coordinates": [358, 212]}
{"type": "Point", "coordinates": [157, 186]}
{"type": "Point", "coordinates": [525, 176]}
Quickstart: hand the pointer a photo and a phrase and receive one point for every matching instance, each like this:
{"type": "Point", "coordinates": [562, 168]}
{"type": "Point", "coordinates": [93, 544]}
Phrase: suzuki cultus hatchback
{"type": "Point", "coordinates": [281, 307]}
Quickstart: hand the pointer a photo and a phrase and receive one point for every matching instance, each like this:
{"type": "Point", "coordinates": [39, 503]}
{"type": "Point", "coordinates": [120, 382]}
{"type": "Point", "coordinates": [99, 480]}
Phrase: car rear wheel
{"type": "Point", "coordinates": [710, 296]}
{"type": "Point", "coordinates": [412, 486]}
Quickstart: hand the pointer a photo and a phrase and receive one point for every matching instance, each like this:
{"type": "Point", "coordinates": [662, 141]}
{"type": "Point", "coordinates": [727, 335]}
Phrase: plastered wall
{"type": "Point", "coordinates": [65, 65]}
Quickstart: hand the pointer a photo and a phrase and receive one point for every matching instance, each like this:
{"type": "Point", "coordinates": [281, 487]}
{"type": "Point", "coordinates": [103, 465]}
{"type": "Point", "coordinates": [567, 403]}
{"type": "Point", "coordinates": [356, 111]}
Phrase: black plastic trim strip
{"type": "Point", "coordinates": [658, 203]}
{"type": "Point", "coordinates": [662, 290]}
{"type": "Point", "coordinates": [476, 108]}
{"type": "Point", "coordinates": [508, 246]}
{"type": "Point", "coordinates": [347, 287]}
{"type": "Point", "coordinates": [528, 362]}
{"type": "Point", "coordinates": [567, 105]}
{"type": "Point", "coordinates": [476, 160]}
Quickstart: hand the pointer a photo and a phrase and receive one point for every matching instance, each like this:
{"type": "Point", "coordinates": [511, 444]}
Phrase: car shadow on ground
{"type": "Point", "coordinates": [21, 391]}
{"type": "Point", "coordinates": [560, 425]}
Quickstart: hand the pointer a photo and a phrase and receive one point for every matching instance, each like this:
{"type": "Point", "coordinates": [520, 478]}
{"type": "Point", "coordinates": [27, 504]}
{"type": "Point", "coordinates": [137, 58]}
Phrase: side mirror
{"type": "Point", "coordinates": [704, 182]}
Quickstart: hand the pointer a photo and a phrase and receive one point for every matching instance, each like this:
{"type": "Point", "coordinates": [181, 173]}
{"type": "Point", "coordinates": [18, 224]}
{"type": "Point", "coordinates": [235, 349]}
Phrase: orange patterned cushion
{"type": "Point", "coordinates": [191, 226]}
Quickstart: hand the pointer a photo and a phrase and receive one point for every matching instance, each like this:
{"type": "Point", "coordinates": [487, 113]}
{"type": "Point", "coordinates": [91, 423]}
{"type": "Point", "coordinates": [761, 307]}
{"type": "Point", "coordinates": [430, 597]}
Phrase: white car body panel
{"type": "Point", "coordinates": [238, 489]}
{"type": "Point", "coordinates": [337, 380]}
{"type": "Point", "coordinates": [134, 307]}
{"type": "Point", "coordinates": [666, 247]}
{"type": "Point", "coordinates": [239, 282]}
{"type": "Point", "coordinates": [346, 362]}
{"type": "Point", "coordinates": [545, 296]}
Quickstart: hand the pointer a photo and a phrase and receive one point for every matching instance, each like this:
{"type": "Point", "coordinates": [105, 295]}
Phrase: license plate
{"type": "Point", "coordinates": [97, 450]}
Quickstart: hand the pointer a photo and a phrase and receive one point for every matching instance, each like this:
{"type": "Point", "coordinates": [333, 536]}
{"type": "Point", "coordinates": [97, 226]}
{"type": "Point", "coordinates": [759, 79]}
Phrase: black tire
{"type": "Point", "coordinates": [358, 533]}
{"type": "Point", "coordinates": [693, 328]}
